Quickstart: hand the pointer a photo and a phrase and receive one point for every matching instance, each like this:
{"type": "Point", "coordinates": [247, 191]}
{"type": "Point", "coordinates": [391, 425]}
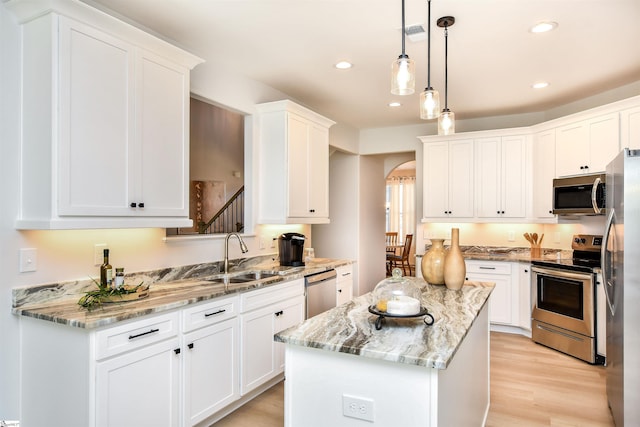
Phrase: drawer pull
{"type": "Point", "coordinates": [150, 331]}
{"type": "Point", "coordinates": [487, 268]}
{"type": "Point", "coordinates": [279, 313]}
{"type": "Point", "coordinates": [190, 346]}
{"type": "Point", "coordinates": [176, 351]}
{"type": "Point", "coordinates": [214, 313]}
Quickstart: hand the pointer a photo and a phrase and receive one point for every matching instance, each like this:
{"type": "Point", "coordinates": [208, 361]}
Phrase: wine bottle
{"type": "Point", "coordinates": [106, 271]}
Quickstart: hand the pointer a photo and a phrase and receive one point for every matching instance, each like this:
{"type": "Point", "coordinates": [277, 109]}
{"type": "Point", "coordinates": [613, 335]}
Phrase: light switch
{"type": "Point", "coordinates": [28, 260]}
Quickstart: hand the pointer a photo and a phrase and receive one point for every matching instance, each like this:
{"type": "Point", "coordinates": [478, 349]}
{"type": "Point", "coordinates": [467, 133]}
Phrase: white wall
{"type": "Point", "coordinates": [371, 217]}
{"type": "Point", "coordinates": [339, 239]}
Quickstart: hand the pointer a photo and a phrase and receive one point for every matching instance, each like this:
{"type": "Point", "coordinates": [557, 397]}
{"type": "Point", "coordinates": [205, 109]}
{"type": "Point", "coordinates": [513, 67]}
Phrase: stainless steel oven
{"type": "Point", "coordinates": [564, 313]}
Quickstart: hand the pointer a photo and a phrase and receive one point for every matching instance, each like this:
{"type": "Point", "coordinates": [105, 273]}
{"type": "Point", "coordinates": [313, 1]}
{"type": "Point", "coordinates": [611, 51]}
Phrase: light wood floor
{"type": "Point", "coordinates": [531, 386]}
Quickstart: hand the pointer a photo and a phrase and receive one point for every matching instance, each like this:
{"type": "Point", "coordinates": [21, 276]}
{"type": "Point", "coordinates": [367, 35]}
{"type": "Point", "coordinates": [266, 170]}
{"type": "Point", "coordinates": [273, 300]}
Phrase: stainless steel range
{"type": "Point", "coordinates": [564, 313]}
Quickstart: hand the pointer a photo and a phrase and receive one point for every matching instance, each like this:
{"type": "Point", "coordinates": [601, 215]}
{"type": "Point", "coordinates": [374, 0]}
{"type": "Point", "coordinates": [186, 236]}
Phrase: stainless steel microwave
{"type": "Point", "coordinates": [580, 195]}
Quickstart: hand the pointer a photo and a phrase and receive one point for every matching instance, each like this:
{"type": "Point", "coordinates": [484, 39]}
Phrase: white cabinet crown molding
{"type": "Point", "coordinates": [110, 22]}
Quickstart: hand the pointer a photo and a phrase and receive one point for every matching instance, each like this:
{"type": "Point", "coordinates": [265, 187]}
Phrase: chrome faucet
{"type": "Point", "coordinates": [243, 248]}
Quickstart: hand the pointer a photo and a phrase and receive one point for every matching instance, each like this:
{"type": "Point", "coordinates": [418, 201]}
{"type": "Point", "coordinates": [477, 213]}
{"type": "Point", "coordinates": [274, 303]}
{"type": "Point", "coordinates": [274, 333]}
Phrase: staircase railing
{"type": "Point", "coordinates": [229, 218]}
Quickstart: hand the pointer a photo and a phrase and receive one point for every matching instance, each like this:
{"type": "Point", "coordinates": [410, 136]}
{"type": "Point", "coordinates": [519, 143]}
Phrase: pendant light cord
{"type": "Point", "coordinates": [429, 44]}
{"type": "Point", "coordinates": [403, 54]}
{"type": "Point", "coordinates": [446, 62]}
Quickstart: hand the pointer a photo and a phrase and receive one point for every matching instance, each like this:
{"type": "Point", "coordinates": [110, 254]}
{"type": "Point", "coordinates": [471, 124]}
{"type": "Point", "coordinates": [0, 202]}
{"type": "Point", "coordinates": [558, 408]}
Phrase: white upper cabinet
{"type": "Point", "coordinates": [448, 179]}
{"type": "Point", "coordinates": [544, 167]}
{"type": "Point", "coordinates": [587, 146]}
{"type": "Point", "coordinates": [105, 122]}
{"type": "Point", "coordinates": [293, 163]}
{"type": "Point", "coordinates": [501, 177]}
{"type": "Point", "coordinates": [630, 128]}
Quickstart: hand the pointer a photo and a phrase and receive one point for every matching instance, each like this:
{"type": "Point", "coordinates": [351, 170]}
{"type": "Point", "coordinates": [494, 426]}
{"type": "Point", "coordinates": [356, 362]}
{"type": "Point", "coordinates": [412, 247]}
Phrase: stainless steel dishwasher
{"type": "Point", "coordinates": [320, 292]}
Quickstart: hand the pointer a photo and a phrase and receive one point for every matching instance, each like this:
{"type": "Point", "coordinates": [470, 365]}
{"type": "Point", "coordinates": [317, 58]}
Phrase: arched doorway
{"type": "Point", "coordinates": [400, 215]}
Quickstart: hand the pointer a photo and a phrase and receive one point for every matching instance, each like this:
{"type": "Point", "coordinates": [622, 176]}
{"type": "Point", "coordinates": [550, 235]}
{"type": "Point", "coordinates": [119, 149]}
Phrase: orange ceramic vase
{"type": "Point", "coordinates": [454, 267]}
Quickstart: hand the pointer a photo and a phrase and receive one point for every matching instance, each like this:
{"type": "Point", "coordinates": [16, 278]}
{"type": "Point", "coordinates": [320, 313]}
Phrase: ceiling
{"type": "Point", "coordinates": [292, 46]}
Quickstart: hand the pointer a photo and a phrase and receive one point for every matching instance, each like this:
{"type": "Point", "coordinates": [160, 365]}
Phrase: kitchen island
{"type": "Point", "coordinates": [341, 370]}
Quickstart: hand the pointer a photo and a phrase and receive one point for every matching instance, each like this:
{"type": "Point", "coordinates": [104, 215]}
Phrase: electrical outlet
{"type": "Point", "coordinates": [98, 253]}
{"type": "Point", "coordinates": [28, 260]}
{"type": "Point", "coordinates": [511, 236]}
{"type": "Point", "coordinates": [357, 407]}
{"type": "Point", "coordinates": [263, 242]}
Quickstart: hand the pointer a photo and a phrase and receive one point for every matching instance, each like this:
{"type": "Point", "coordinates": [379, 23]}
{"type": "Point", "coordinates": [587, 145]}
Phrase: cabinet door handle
{"type": "Point", "coordinates": [486, 268]}
{"type": "Point", "coordinates": [279, 313]}
{"type": "Point", "coordinates": [312, 210]}
{"type": "Point", "coordinates": [132, 204]}
{"type": "Point", "coordinates": [190, 346]}
{"type": "Point", "coordinates": [141, 205]}
{"type": "Point", "coordinates": [176, 351]}
{"type": "Point", "coordinates": [339, 290]}
{"type": "Point", "coordinates": [214, 313]}
{"type": "Point", "coordinates": [150, 331]}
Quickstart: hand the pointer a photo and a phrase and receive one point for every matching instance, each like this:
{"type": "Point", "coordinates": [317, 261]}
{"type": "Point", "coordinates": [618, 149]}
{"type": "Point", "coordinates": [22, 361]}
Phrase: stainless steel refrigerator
{"type": "Point", "coordinates": [621, 275]}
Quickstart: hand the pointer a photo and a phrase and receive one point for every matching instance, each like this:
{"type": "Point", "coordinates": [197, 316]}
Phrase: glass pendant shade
{"type": "Point", "coordinates": [446, 122]}
{"type": "Point", "coordinates": [403, 76]}
{"type": "Point", "coordinates": [429, 104]}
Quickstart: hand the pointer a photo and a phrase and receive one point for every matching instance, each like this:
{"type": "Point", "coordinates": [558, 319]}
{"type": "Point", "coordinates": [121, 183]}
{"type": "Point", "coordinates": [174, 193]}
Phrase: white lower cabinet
{"type": "Point", "coordinates": [501, 308]}
{"type": "Point", "coordinates": [140, 388]}
{"type": "Point", "coordinates": [344, 284]}
{"type": "Point", "coordinates": [510, 301]}
{"type": "Point", "coordinates": [211, 358]}
{"type": "Point", "coordinates": [264, 313]}
{"type": "Point", "coordinates": [171, 369]}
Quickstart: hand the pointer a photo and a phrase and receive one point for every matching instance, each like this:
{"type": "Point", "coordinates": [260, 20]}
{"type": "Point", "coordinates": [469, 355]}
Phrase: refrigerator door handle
{"type": "Point", "coordinates": [603, 255]}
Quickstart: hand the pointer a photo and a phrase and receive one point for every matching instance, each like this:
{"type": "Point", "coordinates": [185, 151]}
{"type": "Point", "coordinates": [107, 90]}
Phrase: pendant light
{"type": "Point", "coordinates": [403, 76]}
{"type": "Point", "coordinates": [429, 98]}
{"type": "Point", "coordinates": [446, 119]}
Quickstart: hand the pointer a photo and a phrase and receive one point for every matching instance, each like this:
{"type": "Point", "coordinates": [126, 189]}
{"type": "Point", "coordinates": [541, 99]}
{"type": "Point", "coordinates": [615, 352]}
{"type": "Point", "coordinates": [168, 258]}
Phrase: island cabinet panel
{"type": "Point", "coordinates": [105, 113]}
{"type": "Point", "coordinates": [293, 164]}
{"type": "Point", "coordinates": [587, 146]}
{"type": "Point", "coordinates": [448, 179]}
{"type": "Point", "coordinates": [320, 381]}
{"type": "Point", "coordinates": [264, 313]}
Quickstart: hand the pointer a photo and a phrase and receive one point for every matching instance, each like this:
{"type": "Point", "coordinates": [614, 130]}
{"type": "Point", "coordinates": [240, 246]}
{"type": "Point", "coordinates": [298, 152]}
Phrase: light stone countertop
{"type": "Point", "coordinates": [350, 328]}
{"type": "Point", "coordinates": [164, 295]}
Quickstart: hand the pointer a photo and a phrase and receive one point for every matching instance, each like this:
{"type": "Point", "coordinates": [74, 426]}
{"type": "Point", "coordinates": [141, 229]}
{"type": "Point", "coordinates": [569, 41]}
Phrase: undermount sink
{"type": "Point", "coordinates": [243, 277]}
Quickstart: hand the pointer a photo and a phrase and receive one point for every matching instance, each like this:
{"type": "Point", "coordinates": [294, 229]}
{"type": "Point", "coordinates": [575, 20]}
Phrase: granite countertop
{"type": "Point", "coordinates": [508, 254]}
{"type": "Point", "coordinates": [163, 295]}
{"type": "Point", "coordinates": [350, 328]}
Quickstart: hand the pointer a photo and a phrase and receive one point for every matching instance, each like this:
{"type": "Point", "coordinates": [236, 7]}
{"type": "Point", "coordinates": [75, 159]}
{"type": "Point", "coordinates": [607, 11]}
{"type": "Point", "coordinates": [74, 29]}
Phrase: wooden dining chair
{"type": "Point", "coordinates": [401, 260]}
{"type": "Point", "coordinates": [392, 241]}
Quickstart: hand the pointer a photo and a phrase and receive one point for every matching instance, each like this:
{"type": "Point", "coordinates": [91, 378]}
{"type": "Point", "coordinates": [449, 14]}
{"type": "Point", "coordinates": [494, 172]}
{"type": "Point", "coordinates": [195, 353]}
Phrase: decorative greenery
{"type": "Point", "coordinates": [96, 297]}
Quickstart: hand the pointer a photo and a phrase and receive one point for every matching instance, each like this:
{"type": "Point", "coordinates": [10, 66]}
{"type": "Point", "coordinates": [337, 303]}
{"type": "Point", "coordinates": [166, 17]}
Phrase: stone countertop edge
{"type": "Point", "coordinates": [508, 254]}
{"type": "Point", "coordinates": [350, 328]}
{"type": "Point", "coordinates": [162, 297]}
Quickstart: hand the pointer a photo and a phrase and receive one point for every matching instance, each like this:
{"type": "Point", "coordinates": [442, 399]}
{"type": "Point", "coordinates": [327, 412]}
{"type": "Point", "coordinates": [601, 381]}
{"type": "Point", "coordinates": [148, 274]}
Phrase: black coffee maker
{"type": "Point", "coordinates": [291, 249]}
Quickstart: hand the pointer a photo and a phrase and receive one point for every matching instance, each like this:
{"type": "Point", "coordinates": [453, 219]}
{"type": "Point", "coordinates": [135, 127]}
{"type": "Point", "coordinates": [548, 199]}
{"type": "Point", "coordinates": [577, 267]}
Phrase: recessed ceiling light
{"type": "Point", "coordinates": [343, 65]}
{"type": "Point", "coordinates": [394, 104]}
{"type": "Point", "coordinates": [540, 85]}
{"type": "Point", "coordinates": [543, 27]}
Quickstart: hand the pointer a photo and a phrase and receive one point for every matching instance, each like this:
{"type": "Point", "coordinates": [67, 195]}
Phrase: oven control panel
{"type": "Point", "coordinates": [587, 242]}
